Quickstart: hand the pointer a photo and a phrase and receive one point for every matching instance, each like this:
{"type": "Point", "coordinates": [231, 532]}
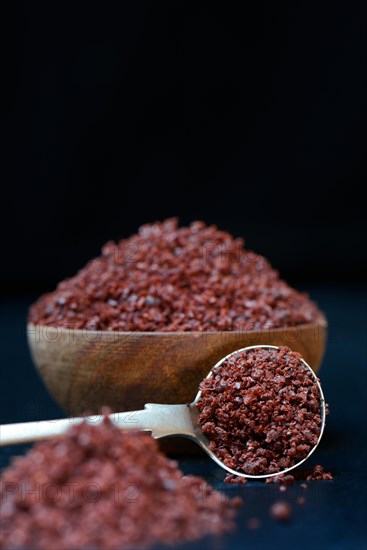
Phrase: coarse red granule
{"type": "Point", "coordinates": [167, 278]}
{"type": "Point", "coordinates": [318, 474]}
{"type": "Point", "coordinates": [281, 511]}
{"type": "Point", "coordinates": [261, 410]}
{"type": "Point", "coordinates": [253, 523]}
{"type": "Point", "coordinates": [301, 500]}
{"type": "Point", "coordinates": [230, 478]}
{"type": "Point", "coordinates": [102, 488]}
{"type": "Point", "coordinates": [287, 479]}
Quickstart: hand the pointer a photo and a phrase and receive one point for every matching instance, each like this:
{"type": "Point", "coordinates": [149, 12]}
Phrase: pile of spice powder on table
{"type": "Point", "coordinates": [167, 278]}
{"type": "Point", "coordinates": [99, 487]}
{"type": "Point", "coordinates": [261, 410]}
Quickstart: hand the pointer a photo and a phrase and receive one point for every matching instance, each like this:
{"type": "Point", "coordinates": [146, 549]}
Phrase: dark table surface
{"type": "Point", "coordinates": [334, 514]}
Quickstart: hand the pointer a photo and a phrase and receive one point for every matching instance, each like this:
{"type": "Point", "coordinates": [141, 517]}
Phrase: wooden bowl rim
{"type": "Point", "coordinates": [322, 321]}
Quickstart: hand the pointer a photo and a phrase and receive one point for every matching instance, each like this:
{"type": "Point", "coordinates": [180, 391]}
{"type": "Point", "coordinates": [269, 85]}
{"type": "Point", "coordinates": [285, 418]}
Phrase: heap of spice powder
{"type": "Point", "coordinates": [102, 488]}
{"type": "Point", "coordinates": [261, 410]}
{"type": "Point", "coordinates": [170, 278]}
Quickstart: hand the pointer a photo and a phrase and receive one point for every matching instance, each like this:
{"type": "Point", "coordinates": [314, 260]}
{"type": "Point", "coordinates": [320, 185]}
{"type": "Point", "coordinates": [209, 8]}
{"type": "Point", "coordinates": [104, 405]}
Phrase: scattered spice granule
{"type": "Point", "coordinates": [287, 479]}
{"type": "Point", "coordinates": [318, 474]}
{"type": "Point", "coordinates": [102, 488]}
{"type": "Point", "coordinates": [282, 488]}
{"type": "Point", "coordinates": [304, 486]}
{"type": "Point", "coordinates": [301, 500]}
{"type": "Point", "coordinates": [261, 410]}
{"type": "Point", "coordinates": [253, 523]}
{"type": "Point", "coordinates": [231, 478]}
{"type": "Point", "coordinates": [170, 278]}
{"type": "Point", "coordinates": [281, 511]}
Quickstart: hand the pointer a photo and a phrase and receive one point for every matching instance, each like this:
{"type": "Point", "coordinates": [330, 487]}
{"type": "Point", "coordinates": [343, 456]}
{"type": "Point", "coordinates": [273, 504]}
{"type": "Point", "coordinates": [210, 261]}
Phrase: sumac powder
{"type": "Point", "coordinates": [167, 278]}
{"type": "Point", "coordinates": [317, 473]}
{"type": "Point", "coordinates": [102, 488]}
{"type": "Point", "coordinates": [281, 511]}
{"type": "Point", "coordinates": [261, 410]}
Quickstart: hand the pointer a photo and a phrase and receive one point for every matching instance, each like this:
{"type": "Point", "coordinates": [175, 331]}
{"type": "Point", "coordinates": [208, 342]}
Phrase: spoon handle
{"type": "Point", "coordinates": [161, 420]}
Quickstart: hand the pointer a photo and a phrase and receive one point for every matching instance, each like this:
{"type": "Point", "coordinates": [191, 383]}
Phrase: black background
{"type": "Point", "coordinates": [254, 119]}
{"type": "Point", "coordinates": [122, 113]}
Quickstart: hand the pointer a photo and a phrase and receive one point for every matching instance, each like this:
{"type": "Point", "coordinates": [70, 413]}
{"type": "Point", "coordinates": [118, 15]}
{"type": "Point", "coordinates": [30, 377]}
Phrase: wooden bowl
{"type": "Point", "coordinates": [84, 370]}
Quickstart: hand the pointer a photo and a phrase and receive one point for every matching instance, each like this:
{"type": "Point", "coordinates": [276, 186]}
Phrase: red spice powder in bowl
{"type": "Point", "coordinates": [168, 278]}
{"type": "Point", "coordinates": [261, 409]}
{"type": "Point", "coordinates": [102, 488]}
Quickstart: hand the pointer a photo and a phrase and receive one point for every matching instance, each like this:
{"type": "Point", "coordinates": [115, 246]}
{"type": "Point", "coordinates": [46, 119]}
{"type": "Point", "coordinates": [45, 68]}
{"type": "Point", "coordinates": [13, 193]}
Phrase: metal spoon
{"type": "Point", "coordinates": [160, 420]}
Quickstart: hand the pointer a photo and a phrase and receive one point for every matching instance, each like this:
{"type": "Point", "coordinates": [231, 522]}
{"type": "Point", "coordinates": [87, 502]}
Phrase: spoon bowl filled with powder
{"type": "Point", "coordinates": [146, 320]}
{"type": "Point", "coordinates": [262, 409]}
